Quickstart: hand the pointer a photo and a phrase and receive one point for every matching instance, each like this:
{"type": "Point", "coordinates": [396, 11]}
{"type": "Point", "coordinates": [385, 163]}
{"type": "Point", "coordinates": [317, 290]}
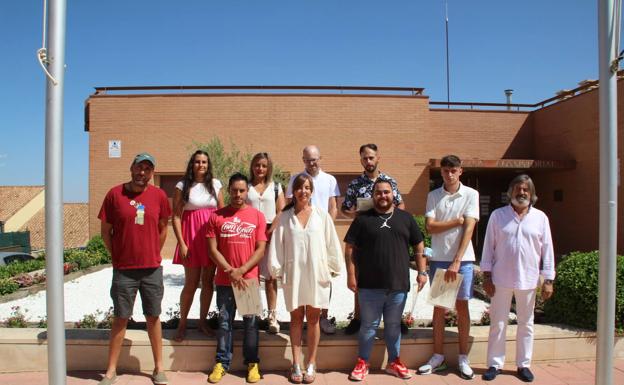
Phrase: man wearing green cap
{"type": "Point", "coordinates": [134, 219]}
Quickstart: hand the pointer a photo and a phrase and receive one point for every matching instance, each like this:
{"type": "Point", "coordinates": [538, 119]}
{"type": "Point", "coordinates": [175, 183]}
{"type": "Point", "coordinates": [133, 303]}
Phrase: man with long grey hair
{"type": "Point", "coordinates": [517, 240]}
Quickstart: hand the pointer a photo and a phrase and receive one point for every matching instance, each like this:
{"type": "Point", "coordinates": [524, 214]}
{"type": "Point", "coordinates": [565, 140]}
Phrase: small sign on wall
{"type": "Point", "coordinates": [114, 148]}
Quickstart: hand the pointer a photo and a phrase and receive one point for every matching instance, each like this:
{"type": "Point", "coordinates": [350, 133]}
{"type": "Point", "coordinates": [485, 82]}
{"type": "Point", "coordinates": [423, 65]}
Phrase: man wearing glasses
{"type": "Point", "coordinates": [324, 197]}
{"type": "Point", "coordinates": [325, 185]}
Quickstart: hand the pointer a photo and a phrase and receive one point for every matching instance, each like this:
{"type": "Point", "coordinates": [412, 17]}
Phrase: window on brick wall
{"type": "Point", "coordinates": [167, 183]}
{"type": "Point", "coordinates": [343, 181]}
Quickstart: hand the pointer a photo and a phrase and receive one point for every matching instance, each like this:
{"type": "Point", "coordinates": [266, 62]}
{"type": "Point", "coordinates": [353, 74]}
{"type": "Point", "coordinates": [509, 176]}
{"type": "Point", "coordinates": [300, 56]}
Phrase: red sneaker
{"type": "Point", "coordinates": [360, 371]}
{"type": "Point", "coordinates": [397, 368]}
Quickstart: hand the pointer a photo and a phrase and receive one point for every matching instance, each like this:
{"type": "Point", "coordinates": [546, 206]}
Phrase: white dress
{"type": "Point", "coordinates": [305, 258]}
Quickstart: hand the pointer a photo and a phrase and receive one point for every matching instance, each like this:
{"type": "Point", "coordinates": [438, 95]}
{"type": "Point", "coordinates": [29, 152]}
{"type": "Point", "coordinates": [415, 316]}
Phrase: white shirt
{"type": "Point", "coordinates": [514, 247]}
{"type": "Point", "coordinates": [325, 187]}
{"type": "Point", "coordinates": [444, 206]}
{"type": "Point", "coordinates": [199, 197]}
{"type": "Point", "coordinates": [264, 202]}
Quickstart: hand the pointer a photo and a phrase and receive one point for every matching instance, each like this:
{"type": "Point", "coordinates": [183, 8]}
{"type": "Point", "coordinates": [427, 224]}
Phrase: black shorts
{"type": "Point", "coordinates": [126, 283]}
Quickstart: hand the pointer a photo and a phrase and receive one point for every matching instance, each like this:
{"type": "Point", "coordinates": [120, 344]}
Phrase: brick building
{"type": "Point", "coordinates": [555, 141]}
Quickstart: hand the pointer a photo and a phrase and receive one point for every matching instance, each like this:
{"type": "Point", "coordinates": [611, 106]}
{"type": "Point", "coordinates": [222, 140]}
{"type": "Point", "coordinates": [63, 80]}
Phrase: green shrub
{"type": "Point", "coordinates": [18, 267]}
{"type": "Point", "coordinates": [96, 246]}
{"type": "Point", "coordinates": [83, 258]}
{"type": "Point", "coordinates": [8, 286]}
{"type": "Point", "coordinates": [227, 162]}
{"type": "Point", "coordinates": [575, 299]}
{"type": "Point", "coordinates": [420, 220]}
{"type": "Point", "coordinates": [88, 321]}
{"type": "Point", "coordinates": [17, 318]}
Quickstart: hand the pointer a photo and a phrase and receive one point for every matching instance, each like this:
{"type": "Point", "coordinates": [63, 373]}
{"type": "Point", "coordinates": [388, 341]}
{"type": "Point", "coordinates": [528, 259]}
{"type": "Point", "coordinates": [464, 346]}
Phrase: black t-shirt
{"type": "Point", "coordinates": [381, 252]}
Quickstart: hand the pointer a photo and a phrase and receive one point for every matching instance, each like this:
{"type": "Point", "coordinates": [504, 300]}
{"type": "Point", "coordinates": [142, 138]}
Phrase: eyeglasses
{"type": "Point", "coordinates": [313, 160]}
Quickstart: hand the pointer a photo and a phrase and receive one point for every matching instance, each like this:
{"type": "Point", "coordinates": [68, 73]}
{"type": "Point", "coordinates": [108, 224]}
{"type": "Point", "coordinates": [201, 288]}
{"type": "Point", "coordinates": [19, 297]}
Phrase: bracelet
{"type": "Point", "coordinates": [424, 273]}
{"type": "Point", "coordinates": [548, 282]}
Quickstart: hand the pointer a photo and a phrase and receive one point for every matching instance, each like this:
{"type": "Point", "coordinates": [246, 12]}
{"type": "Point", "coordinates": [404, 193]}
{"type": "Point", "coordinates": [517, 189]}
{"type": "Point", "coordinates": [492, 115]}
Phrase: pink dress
{"type": "Point", "coordinates": [197, 212]}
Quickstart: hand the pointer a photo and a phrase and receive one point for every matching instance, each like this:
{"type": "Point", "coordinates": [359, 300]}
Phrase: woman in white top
{"type": "Point", "coordinates": [268, 197]}
{"type": "Point", "coordinates": [305, 252]}
{"type": "Point", "coordinates": [195, 198]}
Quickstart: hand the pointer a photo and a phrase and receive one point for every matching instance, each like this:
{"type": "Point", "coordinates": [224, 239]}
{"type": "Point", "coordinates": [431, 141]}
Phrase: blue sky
{"type": "Point", "coordinates": [534, 47]}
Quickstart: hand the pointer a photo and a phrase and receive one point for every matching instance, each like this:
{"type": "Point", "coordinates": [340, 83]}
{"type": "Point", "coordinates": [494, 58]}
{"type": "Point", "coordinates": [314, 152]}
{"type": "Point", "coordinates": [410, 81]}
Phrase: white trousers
{"type": "Point", "coordinates": [499, 313]}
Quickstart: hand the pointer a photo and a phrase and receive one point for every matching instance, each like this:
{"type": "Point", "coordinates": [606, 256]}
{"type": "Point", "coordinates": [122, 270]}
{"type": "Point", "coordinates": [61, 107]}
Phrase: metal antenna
{"type": "Point", "coordinates": [448, 82]}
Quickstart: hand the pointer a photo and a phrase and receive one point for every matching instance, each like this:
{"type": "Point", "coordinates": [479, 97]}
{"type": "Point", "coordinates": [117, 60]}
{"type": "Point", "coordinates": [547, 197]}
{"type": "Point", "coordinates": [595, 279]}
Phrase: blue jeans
{"type": "Point", "coordinates": [374, 303]}
{"type": "Point", "coordinates": [227, 310]}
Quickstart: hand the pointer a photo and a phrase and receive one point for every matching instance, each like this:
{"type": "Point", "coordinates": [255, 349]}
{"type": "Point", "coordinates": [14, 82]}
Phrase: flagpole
{"type": "Point", "coordinates": [607, 52]}
{"type": "Point", "coordinates": [57, 365]}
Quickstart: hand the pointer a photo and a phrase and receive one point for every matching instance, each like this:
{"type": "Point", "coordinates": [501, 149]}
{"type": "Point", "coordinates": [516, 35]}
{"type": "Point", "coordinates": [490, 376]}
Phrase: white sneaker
{"type": "Point", "coordinates": [435, 364]}
{"type": "Point", "coordinates": [326, 326]}
{"type": "Point", "coordinates": [274, 326]}
{"type": "Point", "coordinates": [465, 371]}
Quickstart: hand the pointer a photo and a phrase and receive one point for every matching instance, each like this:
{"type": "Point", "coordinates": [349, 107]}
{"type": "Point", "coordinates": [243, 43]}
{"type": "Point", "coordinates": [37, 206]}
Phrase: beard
{"type": "Point", "coordinates": [371, 168]}
{"type": "Point", "coordinates": [382, 205]}
{"type": "Point", "coordinates": [520, 201]}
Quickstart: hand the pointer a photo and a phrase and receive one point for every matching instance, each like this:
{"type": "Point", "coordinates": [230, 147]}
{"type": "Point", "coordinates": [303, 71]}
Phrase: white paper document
{"type": "Point", "coordinates": [248, 300]}
{"type": "Point", "coordinates": [364, 204]}
{"type": "Point", "coordinates": [444, 294]}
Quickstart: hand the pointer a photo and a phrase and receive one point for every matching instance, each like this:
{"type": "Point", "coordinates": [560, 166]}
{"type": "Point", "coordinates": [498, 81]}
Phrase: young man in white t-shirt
{"type": "Point", "coordinates": [451, 214]}
{"type": "Point", "coordinates": [324, 197]}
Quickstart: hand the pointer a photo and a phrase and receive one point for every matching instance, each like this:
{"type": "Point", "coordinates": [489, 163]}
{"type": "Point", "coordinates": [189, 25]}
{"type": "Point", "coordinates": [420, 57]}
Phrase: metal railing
{"type": "Point", "coordinates": [410, 91]}
{"type": "Point", "coordinates": [351, 90]}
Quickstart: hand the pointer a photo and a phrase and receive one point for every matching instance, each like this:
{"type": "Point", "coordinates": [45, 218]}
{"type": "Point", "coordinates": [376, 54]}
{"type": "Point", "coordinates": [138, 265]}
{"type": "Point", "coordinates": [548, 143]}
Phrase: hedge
{"type": "Point", "coordinates": [12, 275]}
{"type": "Point", "coordinates": [575, 299]}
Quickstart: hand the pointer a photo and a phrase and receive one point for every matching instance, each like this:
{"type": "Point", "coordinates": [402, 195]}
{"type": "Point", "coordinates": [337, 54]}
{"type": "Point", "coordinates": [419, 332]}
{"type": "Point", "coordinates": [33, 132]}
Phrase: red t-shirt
{"type": "Point", "coordinates": [135, 218]}
{"type": "Point", "coordinates": [236, 231]}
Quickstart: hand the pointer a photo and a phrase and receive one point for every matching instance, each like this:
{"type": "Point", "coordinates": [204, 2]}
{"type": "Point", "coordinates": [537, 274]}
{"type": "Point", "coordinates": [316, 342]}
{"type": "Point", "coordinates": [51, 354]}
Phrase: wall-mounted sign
{"type": "Point", "coordinates": [114, 148]}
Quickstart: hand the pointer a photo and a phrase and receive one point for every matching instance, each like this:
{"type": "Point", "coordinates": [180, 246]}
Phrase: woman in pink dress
{"type": "Point", "coordinates": [194, 199]}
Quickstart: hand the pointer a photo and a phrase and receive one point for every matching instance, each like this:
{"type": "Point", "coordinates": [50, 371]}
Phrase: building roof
{"type": "Point", "coordinates": [75, 228]}
{"type": "Point", "coordinates": [13, 198]}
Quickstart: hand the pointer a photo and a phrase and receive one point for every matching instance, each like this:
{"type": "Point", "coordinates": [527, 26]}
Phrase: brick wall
{"type": "Point", "coordinates": [570, 130]}
{"type": "Point", "coordinates": [407, 132]}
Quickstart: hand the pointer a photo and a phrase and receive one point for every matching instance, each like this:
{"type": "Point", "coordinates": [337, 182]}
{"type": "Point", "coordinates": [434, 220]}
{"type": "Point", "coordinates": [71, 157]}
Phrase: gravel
{"type": "Point", "coordinates": [89, 294]}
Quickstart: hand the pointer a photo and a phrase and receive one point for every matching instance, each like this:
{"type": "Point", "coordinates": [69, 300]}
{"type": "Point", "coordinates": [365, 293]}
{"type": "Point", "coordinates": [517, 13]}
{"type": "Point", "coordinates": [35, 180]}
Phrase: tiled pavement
{"type": "Point", "coordinates": [572, 373]}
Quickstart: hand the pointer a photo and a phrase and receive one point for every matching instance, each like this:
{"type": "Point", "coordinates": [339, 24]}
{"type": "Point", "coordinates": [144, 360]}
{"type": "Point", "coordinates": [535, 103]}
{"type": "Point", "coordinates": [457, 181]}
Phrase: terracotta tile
{"type": "Point", "coordinates": [568, 373]}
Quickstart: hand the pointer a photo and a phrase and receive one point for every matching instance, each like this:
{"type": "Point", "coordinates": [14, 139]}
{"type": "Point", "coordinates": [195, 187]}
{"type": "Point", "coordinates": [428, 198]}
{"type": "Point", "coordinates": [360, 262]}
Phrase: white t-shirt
{"type": "Point", "coordinates": [325, 187]}
{"type": "Point", "coordinates": [199, 197]}
{"type": "Point", "coordinates": [443, 206]}
{"type": "Point", "coordinates": [264, 202]}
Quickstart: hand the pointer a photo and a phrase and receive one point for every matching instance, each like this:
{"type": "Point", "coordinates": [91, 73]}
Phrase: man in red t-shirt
{"type": "Point", "coordinates": [236, 238]}
{"type": "Point", "coordinates": [134, 219]}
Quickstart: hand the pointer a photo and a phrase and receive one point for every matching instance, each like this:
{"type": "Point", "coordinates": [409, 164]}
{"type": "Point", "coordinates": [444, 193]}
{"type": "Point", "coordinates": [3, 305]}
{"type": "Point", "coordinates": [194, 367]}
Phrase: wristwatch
{"type": "Point", "coordinates": [548, 282]}
{"type": "Point", "coordinates": [423, 273]}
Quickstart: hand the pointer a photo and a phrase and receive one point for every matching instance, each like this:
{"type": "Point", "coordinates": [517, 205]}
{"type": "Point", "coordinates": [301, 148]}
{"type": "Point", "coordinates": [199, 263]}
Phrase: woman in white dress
{"type": "Point", "coordinates": [268, 197]}
{"type": "Point", "coordinates": [194, 199]}
{"type": "Point", "coordinates": [305, 253]}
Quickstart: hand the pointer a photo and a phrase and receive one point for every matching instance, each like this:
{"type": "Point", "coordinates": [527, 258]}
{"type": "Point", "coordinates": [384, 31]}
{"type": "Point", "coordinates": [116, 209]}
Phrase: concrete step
{"type": "Point", "coordinates": [24, 350]}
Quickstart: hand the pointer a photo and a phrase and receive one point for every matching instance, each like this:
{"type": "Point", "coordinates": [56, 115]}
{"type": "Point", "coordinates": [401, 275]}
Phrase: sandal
{"type": "Point", "coordinates": [310, 374]}
{"type": "Point", "coordinates": [296, 377]}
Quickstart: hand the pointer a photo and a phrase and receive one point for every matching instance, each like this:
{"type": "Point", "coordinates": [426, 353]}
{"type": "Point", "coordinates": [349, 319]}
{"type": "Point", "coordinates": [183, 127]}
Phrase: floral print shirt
{"type": "Point", "coordinates": [362, 187]}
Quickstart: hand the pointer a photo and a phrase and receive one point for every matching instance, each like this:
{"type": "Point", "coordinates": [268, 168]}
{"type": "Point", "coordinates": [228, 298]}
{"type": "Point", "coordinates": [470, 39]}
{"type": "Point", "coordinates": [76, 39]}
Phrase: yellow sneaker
{"type": "Point", "coordinates": [253, 372]}
{"type": "Point", "coordinates": [217, 373]}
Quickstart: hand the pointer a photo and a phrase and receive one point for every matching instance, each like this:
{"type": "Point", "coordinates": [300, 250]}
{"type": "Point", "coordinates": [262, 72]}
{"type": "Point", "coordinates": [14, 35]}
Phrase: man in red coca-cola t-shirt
{"type": "Point", "coordinates": [237, 238]}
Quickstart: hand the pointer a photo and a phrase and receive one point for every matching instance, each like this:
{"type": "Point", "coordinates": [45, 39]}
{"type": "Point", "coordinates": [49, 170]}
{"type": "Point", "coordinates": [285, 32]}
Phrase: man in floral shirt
{"type": "Point", "coordinates": [359, 198]}
{"type": "Point", "coordinates": [362, 186]}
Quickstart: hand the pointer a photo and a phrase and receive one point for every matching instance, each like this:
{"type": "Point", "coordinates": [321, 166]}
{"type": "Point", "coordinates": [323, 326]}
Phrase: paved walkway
{"type": "Point", "coordinates": [573, 373]}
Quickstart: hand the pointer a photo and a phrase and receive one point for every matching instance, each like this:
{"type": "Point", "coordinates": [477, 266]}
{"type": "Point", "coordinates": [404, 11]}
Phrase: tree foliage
{"type": "Point", "coordinates": [227, 161]}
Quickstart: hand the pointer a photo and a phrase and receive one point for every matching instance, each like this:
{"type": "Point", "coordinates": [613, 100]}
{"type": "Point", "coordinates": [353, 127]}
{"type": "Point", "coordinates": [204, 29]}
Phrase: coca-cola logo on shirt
{"type": "Point", "coordinates": [237, 228]}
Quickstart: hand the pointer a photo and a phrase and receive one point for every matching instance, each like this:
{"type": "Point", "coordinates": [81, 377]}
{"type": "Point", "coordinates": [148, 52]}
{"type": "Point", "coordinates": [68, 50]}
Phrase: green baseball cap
{"type": "Point", "coordinates": [144, 156]}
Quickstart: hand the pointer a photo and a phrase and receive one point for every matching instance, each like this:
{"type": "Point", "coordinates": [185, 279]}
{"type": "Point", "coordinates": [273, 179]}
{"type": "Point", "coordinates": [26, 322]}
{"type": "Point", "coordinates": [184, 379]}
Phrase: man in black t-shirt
{"type": "Point", "coordinates": [377, 242]}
